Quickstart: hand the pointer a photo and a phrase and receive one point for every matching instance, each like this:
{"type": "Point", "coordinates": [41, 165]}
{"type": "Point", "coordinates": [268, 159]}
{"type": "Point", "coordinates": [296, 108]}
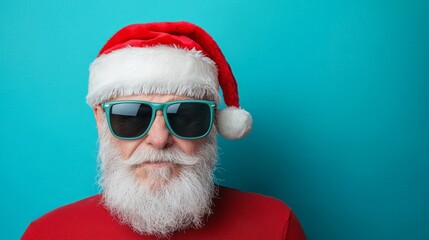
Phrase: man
{"type": "Point", "coordinates": [154, 92]}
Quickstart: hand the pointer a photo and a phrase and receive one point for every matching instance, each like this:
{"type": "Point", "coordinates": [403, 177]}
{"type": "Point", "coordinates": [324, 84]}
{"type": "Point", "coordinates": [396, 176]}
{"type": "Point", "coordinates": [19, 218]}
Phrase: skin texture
{"type": "Point", "coordinates": [158, 137]}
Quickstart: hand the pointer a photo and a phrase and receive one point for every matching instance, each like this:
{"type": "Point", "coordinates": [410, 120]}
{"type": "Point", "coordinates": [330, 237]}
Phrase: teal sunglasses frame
{"type": "Point", "coordinates": [107, 106]}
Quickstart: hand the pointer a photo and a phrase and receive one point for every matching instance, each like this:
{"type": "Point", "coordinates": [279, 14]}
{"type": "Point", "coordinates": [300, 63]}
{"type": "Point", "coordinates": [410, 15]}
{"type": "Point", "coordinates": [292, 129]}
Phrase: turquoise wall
{"type": "Point", "coordinates": [338, 91]}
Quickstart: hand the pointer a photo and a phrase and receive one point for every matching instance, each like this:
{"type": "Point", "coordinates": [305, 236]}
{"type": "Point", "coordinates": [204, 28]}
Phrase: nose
{"type": "Point", "coordinates": [159, 136]}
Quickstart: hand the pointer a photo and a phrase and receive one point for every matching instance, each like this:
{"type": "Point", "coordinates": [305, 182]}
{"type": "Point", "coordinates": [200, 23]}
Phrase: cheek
{"type": "Point", "coordinates": [189, 147]}
{"type": "Point", "coordinates": [126, 148]}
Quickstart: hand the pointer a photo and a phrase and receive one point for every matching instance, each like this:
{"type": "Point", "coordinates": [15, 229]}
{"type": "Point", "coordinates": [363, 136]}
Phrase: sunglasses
{"type": "Point", "coordinates": [186, 119]}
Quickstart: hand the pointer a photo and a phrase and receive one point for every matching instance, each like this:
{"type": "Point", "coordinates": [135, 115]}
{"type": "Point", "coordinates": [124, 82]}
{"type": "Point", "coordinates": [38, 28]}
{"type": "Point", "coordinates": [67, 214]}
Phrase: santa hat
{"type": "Point", "coordinates": [168, 58]}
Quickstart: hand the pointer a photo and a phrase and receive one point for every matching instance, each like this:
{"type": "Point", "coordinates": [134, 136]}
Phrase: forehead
{"type": "Point", "coordinates": [153, 98]}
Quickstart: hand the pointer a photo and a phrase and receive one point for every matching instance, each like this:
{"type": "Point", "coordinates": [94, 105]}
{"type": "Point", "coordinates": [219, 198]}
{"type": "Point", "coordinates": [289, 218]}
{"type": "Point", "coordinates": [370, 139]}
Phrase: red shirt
{"type": "Point", "coordinates": [236, 215]}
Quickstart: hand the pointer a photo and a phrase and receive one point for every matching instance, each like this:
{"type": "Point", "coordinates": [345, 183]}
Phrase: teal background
{"type": "Point", "coordinates": [338, 91]}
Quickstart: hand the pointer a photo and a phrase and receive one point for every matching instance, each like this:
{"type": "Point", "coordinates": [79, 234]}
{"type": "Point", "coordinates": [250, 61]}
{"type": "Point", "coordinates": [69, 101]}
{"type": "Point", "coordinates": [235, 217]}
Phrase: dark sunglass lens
{"type": "Point", "coordinates": [130, 120]}
{"type": "Point", "coordinates": [189, 119]}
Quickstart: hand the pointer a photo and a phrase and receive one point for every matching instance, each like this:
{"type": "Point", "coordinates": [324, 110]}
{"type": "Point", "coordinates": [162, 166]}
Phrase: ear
{"type": "Point", "coordinates": [98, 113]}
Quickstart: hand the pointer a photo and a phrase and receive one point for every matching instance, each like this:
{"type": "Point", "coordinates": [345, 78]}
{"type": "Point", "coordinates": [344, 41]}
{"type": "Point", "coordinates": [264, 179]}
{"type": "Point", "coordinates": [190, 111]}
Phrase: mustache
{"type": "Point", "coordinates": [171, 155]}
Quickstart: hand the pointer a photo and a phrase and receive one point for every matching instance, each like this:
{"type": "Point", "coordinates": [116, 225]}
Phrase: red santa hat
{"type": "Point", "coordinates": [168, 58]}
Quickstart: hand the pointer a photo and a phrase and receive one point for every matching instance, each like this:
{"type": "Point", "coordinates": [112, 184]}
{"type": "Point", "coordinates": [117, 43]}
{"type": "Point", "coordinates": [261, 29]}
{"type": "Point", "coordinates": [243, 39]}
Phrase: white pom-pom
{"type": "Point", "coordinates": [233, 123]}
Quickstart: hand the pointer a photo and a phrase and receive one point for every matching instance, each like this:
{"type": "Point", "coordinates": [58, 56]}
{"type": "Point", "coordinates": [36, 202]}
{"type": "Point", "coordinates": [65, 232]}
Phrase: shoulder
{"type": "Point", "coordinates": [85, 207]}
{"type": "Point", "coordinates": [63, 220]}
{"type": "Point", "coordinates": [257, 202]}
{"type": "Point", "coordinates": [255, 215]}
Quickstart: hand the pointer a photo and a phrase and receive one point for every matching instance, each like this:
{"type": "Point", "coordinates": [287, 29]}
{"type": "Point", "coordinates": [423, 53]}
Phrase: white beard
{"type": "Point", "coordinates": [163, 203]}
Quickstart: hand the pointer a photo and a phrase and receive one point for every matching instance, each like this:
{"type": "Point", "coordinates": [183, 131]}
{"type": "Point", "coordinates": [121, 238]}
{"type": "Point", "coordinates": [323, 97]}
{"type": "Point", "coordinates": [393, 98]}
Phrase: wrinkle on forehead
{"type": "Point", "coordinates": [160, 98]}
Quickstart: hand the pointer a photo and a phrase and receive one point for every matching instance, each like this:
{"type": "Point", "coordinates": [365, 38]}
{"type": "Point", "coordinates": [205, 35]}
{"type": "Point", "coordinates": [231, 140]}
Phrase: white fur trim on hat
{"type": "Point", "coordinates": [152, 70]}
{"type": "Point", "coordinates": [233, 123]}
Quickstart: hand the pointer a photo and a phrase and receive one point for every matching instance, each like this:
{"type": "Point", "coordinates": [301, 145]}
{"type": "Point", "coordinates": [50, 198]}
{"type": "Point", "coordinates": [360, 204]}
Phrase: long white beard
{"type": "Point", "coordinates": [176, 202]}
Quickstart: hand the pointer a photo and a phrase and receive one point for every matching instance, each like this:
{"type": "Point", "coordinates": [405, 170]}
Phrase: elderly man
{"type": "Point", "coordinates": [154, 92]}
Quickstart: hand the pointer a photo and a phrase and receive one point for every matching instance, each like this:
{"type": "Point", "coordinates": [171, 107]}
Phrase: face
{"type": "Point", "coordinates": [144, 179]}
{"type": "Point", "coordinates": [158, 137]}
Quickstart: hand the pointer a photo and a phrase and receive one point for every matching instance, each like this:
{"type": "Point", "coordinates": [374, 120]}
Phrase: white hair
{"type": "Point", "coordinates": [175, 203]}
